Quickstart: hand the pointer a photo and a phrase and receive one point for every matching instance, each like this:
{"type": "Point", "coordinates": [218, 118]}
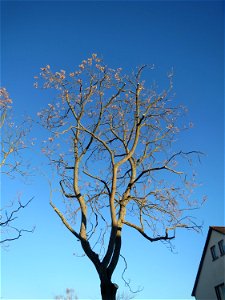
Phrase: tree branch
{"type": "Point", "coordinates": [139, 229]}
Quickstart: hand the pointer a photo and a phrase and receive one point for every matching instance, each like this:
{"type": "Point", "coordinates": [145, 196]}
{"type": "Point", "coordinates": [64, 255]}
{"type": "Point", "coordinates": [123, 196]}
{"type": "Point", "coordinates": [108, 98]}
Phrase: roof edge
{"type": "Point", "coordinates": [220, 229]}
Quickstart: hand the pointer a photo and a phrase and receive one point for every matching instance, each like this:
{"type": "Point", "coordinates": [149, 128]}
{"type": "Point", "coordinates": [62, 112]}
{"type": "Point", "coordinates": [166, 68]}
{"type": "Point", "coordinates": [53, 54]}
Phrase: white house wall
{"type": "Point", "coordinates": [212, 272]}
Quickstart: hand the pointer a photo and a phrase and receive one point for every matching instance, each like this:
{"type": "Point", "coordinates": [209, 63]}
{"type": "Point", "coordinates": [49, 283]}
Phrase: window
{"type": "Point", "coordinates": [220, 292]}
{"type": "Point", "coordinates": [213, 252]}
{"type": "Point", "coordinates": [221, 247]}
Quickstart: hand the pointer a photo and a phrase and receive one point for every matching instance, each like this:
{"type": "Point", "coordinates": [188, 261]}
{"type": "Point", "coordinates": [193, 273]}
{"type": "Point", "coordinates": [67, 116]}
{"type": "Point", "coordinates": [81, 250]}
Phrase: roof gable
{"type": "Point", "coordinates": [220, 229]}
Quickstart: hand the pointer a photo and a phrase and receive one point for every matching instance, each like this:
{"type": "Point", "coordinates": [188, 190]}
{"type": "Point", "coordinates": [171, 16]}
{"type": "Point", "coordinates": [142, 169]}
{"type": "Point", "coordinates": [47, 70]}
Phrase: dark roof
{"type": "Point", "coordinates": [220, 229]}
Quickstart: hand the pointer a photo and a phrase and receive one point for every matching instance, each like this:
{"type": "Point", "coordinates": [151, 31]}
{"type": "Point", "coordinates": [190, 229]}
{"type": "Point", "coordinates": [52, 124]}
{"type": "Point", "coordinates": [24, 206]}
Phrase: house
{"type": "Point", "coordinates": [209, 282]}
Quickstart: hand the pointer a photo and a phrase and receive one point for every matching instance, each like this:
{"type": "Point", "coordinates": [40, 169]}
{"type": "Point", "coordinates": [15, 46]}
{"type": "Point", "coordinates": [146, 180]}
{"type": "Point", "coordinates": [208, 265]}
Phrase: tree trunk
{"type": "Point", "coordinates": [108, 290]}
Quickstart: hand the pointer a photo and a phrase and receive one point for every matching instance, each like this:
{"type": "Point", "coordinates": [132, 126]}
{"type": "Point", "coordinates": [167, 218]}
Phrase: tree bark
{"type": "Point", "coordinates": [108, 290]}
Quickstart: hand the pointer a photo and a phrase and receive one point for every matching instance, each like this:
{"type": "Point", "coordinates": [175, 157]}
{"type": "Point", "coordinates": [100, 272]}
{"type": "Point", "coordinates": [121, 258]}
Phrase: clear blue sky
{"type": "Point", "coordinates": [187, 36]}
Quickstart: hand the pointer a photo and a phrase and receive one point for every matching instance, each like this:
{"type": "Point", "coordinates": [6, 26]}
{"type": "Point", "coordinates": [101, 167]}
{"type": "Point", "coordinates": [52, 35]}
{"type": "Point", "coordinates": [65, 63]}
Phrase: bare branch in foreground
{"type": "Point", "coordinates": [6, 223]}
{"type": "Point", "coordinates": [13, 144]}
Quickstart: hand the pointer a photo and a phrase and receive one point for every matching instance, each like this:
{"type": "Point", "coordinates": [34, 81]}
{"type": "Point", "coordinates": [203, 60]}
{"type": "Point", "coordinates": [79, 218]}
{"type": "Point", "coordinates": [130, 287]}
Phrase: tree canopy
{"type": "Point", "coordinates": [110, 139]}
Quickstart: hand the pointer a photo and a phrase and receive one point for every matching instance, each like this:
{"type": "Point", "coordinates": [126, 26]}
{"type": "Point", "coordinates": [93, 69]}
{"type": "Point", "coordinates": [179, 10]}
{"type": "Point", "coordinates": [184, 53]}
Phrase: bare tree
{"type": "Point", "coordinates": [124, 296]}
{"type": "Point", "coordinates": [12, 144]}
{"type": "Point", "coordinates": [70, 295]}
{"type": "Point", "coordinates": [110, 137]}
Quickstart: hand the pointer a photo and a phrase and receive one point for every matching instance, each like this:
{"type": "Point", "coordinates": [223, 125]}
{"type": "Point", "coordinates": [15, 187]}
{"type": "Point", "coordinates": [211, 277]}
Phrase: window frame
{"type": "Point", "coordinates": [221, 247]}
{"type": "Point", "coordinates": [219, 291]}
{"type": "Point", "coordinates": [213, 253]}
